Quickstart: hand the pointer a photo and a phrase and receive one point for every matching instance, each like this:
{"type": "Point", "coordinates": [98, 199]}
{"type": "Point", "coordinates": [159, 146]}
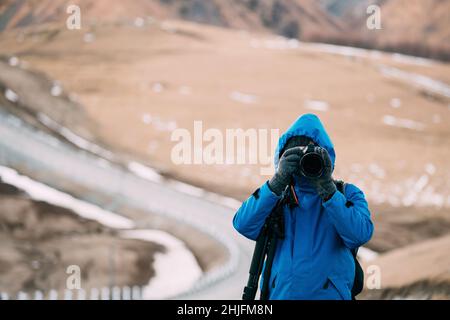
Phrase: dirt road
{"type": "Point", "coordinates": [54, 163]}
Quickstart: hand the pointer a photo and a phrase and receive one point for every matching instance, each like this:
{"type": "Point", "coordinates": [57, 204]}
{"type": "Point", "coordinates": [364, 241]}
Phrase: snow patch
{"type": "Point", "coordinates": [349, 52]}
{"type": "Point", "coordinates": [176, 270]}
{"type": "Point", "coordinates": [146, 118]}
{"type": "Point", "coordinates": [10, 95]}
{"type": "Point", "coordinates": [139, 22]}
{"type": "Point", "coordinates": [430, 169]}
{"type": "Point", "coordinates": [366, 255]}
{"type": "Point", "coordinates": [186, 188]}
{"type": "Point", "coordinates": [144, 172]}
{"type": "Point", "coordinates": [405, 59]}
{"type": "Point", "coordinates": [152, 175]}
{"type": "Point", "coordinates": [89, 37]}
{"type": "Point", "coordinates": [158, 123]}
{"type": "Point", "coordinates": [395, 103]}
{"type": "Point", "coordinates": [157, 87]}
{"type": "Point", "coordinates": [56, 89]}
{"type": "Point", "coordinates": [353, 52]}
{"type": "Point", "coordinates": [276, 43]}
{"type": "Point", "coordinates": [377, 171]}
{"type": "Point", "coordinates": [243, 97]}
{"type": "Point", "coordinates": [413, 191]}
{"type": "Point", "coordinates": [13, 61]}
{"type": "Point", "coordinates": [184, 90]}
{"type": "Point", "coordinates": [74, 138]}
{"type": "Point", "coordinates": [41, 192]}
{"type": "Point", "coordinates": [202, 193]}
{"type": "Point", "coordinates": [403, 123]}
{"type": "Point", "coordinates": [417, 80]}
{"type": "Point", "coordinates": [316, 105]}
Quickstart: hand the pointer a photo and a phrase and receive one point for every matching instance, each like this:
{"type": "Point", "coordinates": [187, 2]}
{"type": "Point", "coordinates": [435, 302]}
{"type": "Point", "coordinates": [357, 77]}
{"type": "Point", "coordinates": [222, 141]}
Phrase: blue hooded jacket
{"type": "Point", "coordinates": [314, 260]}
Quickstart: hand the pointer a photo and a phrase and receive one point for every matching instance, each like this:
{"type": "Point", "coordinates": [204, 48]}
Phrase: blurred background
{"type": "Point", "coordinates": [87, 112]}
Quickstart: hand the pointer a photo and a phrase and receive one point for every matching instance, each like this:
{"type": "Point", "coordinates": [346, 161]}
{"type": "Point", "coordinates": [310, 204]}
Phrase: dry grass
{"type": "Point", "coordinates": [113, 78]}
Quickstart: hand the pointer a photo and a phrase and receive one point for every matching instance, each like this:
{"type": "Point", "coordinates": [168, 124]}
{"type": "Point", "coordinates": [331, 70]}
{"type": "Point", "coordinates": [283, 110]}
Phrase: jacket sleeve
{"type": "Point", "coordinates": [252, 214]}
{"type": "Point", "coordinates": [350, 216]}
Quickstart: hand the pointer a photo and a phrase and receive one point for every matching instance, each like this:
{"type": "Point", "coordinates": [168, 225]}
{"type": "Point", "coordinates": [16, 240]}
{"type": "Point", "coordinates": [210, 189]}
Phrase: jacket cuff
{"type": "Point", "coordinates": [335, 201]}
{"type": "Point", "coordinates": [334, 206]}
{"type": "Point", "coordinates": [266, 192]}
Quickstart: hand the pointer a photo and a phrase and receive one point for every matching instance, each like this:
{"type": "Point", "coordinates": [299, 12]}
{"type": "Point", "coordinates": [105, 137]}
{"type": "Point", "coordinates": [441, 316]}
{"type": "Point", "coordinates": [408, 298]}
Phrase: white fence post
{"type": "Point", "coordinates": [105, 293]}
{"type": "Point", "coordinates": [81, 294]}
{"type": "Point", "coordinates": [53, 295]}
{"type": "Point", "coordinates": [22, 296]}
{"type": "Point", "coordinates": [68, 295]}
{"type": "Point", "coordinates": [126, 293]}
{"type": "Point", "coordinates": [116, 293]}
{"type": "Point", "coordinates": [38, 295]}
{"type": "Point", "coordinates": [94, 294]}
{"type": "Point", "coordinates": [136, 293]}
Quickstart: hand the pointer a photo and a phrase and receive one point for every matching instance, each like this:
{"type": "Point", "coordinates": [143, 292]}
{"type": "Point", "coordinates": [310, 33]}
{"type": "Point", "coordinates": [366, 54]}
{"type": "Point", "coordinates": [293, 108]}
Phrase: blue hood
{"type": "Point", "coordinates": [307, 125]}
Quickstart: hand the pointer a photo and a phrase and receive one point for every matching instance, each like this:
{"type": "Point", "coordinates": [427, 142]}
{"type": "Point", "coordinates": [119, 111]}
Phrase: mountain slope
{"type": "Point", "coordinates": [417, 27]}
{"type": "Point", "coordinates": [412, 21]}
{"type": "Point", "coordinates": [416, 21]}
{"type": "Point", "coordinates": [296, 18]}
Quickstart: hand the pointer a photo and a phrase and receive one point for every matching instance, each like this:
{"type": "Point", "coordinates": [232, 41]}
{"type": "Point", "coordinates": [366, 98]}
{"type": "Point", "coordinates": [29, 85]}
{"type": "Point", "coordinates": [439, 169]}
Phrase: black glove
{"type": "Point", "coordinates": [324, 184]}
{"type": "Point", "coordinates": [289, 164]}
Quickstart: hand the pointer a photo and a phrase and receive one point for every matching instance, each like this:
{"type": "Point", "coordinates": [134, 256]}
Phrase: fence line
{"type": "Point", "coordinates": [104, 293]}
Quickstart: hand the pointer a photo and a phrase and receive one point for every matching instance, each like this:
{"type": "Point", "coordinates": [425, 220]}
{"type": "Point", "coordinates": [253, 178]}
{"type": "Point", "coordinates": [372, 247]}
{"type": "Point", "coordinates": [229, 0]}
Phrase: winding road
{"type": "Point", "coordinates": [54, 162]}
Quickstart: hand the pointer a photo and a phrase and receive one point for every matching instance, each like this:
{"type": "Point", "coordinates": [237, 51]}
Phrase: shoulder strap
{"type": "Point", "coordinates": [292, 198]}
{"type": "Point", "coordinates": [340, 185]}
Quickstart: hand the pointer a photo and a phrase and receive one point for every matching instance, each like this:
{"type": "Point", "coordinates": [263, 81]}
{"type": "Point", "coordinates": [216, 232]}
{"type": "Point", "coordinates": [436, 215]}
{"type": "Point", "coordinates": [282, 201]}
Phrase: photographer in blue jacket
{"type": "Point", "coordinates": [314, 260]}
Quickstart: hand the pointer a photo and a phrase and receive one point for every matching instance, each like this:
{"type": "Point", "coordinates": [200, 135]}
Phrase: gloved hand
{"type": "Point", "coordinates": [324, 184]}
{"type": "Point", "coordinates": [288, 165]}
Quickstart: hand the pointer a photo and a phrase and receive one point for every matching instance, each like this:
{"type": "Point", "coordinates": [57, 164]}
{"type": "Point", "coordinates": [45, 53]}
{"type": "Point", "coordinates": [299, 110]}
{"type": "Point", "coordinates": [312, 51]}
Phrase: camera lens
{"type": "Point", "coordinates": [311, 165]}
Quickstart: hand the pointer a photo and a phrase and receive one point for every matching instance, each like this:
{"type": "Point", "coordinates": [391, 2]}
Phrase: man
{"type": "Point", "coordinates": [314, 260]}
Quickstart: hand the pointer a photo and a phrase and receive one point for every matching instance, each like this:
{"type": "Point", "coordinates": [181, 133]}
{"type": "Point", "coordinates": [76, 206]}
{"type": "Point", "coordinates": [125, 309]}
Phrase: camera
{"type": "Point", "coordinates": [312, 163]}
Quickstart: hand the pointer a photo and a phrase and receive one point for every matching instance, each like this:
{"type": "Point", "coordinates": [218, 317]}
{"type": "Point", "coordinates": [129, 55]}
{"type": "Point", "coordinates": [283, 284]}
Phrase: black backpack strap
{"type": "Point", "coordinates": [340, 186]}
{"type": "Point", "coordinates": [358, 282]}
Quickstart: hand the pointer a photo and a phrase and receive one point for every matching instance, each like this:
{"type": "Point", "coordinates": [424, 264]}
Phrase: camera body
{"type": "Point", "coordinates": [311, 163]}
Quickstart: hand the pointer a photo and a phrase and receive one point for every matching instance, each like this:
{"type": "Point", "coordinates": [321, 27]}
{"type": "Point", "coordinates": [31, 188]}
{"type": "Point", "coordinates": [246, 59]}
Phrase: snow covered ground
{"type": "Point", "coordinates": [176, 269]}
{"type": "Point", "coordinates": [41, 192]}
{"type": "Point", "coordinates": [416, 190]}
{"type": "Point", "coordinates": [417, 80]}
